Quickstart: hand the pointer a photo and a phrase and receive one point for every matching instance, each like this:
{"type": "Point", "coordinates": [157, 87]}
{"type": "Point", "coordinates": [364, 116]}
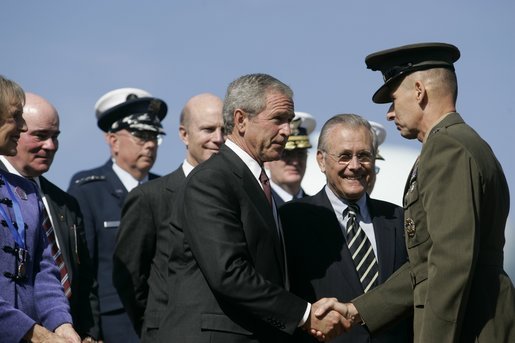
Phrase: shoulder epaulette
{"type": "Point", "coordinates": [89, 178]}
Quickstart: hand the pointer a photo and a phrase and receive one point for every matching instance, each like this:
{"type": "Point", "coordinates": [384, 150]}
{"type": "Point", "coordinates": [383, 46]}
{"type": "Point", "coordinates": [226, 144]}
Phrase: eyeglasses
{"type": "Point", "coordinates": [364, 157]}
{"type": "Point", "coordinates": [141, 137]}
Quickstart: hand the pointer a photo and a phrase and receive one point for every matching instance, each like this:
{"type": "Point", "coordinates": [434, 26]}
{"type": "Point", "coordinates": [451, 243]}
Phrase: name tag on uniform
{"type": "Point", "coordinates": [114, 223]}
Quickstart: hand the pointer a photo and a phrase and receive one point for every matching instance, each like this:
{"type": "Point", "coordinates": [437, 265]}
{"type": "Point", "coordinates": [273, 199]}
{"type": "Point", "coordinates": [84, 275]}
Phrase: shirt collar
{"type": "Point", "coordinates": [283, 194]}
{"type": "Point", "coordinates": [251, 163]}
{"type": "Point", "coordinates": [126, 178]}
{"type": "Point", "coordinates": [187, 167]}
{"type": "Point", "coordinates": [340, 205]}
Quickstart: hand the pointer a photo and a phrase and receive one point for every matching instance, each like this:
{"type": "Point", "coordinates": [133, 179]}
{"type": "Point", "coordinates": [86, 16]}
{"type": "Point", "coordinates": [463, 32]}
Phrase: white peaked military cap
{"type": "Point", "coordinates": [118, 96]}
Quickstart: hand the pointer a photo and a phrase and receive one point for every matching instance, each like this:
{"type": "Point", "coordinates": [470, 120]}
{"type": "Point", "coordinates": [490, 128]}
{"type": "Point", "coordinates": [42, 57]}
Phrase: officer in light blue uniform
{"type": "Point", "coordinates": [131, 119]}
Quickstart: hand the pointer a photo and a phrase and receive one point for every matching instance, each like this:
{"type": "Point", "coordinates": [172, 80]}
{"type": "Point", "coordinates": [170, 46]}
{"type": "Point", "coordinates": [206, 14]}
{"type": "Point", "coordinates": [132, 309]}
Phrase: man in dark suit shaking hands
{"type": "Point", "coordinates": [227, 269]}
{"type": "Point", "coordinates": [328, 256]}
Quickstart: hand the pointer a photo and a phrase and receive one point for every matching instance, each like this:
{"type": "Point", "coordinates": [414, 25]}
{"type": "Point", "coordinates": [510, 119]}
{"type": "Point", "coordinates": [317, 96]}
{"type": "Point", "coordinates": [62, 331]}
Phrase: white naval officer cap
{"type": "Point", "coordinates": [118, 96]}
{"type": "Point", "coordinates": [380, 133]}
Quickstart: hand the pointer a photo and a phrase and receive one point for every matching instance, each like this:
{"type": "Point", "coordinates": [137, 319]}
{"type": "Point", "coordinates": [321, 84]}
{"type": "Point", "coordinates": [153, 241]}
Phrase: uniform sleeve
{"type": "Point", "coordinates": [215, 232]}
{"type": "Point", "coordinates": [134, 251]}
{"type": "Point", "coordinates": [450, 187]}
{"type": "Point", "coordinates": [388, 302]}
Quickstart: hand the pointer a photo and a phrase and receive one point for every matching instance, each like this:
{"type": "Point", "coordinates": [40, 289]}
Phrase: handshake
{"type": "Point", "coordinates": [330, 318]}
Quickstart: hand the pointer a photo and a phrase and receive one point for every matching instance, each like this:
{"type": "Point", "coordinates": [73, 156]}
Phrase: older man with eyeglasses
{"type": "Point", "coordinates": [131, 119]}
{"type": "Point", "coordinates": [340, 242]}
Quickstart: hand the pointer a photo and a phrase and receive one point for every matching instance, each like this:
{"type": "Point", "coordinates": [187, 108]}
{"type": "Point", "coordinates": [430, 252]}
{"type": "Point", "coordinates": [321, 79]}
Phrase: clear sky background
{"type": "Point", "coordinates": [73, 52]}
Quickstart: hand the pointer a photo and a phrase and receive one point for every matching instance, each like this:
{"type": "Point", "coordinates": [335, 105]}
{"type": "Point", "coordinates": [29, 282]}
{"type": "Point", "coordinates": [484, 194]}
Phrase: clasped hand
{"type": "Point", "coordinates": [330, 318]}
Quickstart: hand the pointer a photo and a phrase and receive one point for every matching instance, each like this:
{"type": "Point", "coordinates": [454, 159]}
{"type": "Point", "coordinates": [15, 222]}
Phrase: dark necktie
{"type": "Point", "coordinates": [266, 186]}
{"type": "Point", "coordinates": [56, 252]}
{"type": "Point", "coordinates": [361, 250]}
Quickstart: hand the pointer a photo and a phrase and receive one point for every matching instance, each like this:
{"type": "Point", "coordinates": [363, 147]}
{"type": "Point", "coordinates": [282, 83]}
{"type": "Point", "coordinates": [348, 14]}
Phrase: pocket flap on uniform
{"type": "Point", "coordinates": [220, 322]}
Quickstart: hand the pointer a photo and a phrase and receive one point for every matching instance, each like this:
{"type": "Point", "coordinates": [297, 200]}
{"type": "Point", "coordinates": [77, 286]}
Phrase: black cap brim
{"type": "Point", "coordinates": [129, 107]}
{"type": "Point", "coordinates": [399, 62]}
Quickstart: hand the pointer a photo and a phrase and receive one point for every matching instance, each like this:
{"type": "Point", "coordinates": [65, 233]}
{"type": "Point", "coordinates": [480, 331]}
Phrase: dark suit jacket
{"type": "Point", "coordinates": [321, 265]}
{"type": "Point", "coordinates": [141, 253]}
{"type": "Point", "coordinates": [456, 203]}
{"type": "Point", "coordinates": [100, 194]}
{"type": "Point", "coordinates": [226, 269]}
{"type": "Point", "coordinates": [68, 225]}
{"type": "Point", "coordinates": [69, 230]}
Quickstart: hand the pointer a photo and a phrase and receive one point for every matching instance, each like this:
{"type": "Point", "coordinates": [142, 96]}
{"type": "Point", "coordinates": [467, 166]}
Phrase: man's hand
{"type": "Point", "coordinates": [327, 305]}
{"type": "Point", "coordinates": [326, 326]}
{"type": "Point", "coordinates": [347, 310]}
{"type": "Point", "coordinates": [66, 331]}
{"type": "Point", "coordinates": [39, 334]}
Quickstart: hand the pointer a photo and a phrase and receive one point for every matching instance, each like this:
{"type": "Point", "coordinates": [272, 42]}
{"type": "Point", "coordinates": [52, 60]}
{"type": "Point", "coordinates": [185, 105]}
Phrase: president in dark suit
{"type": "Point", "coordinates": [320, 250]}
{"type": "Point", "coordinates": [140, 265]}
{"type": "Point", "coordinates": [131, 119]}
{"type": "Point", "coordinates": [36, 150]}
{"type": "Point", "coordinates": [227, 271]}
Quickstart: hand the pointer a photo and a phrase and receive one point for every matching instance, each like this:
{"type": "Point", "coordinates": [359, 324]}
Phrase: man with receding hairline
{"type": "Point", "coordinates": [141, 253]}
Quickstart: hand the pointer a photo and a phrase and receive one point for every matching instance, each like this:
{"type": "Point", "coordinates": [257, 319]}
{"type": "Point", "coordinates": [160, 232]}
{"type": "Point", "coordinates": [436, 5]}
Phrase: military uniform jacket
{"type": "Point", "coordinates": [140, 263]}
{"type": "Point", "coordinates": [456, 204]}
{"type": "Point", "coordinates": [226, 267]}
{"type": "Point", "coordinates": [100, 194]}
{"type": "Point", "coordinates": [40, 297]}
{"type": "Point", "coordinates": [321, 265]}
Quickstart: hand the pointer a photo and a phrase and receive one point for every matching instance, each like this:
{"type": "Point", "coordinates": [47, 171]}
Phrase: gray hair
{"type": "Point", "coordinates": [248, 93]}
{"type": "Point", "coordinates": [347, 120]}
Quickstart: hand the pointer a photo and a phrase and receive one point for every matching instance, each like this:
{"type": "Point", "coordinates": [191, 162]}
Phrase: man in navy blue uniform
{"type": "Point", "coordinates": [131, 119]}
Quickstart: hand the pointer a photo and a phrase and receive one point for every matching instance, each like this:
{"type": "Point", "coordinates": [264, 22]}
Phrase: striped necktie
{"type": "Point", "coordinates": [56, 252]}
{"type": "Point", "coordinates": [361, 249]}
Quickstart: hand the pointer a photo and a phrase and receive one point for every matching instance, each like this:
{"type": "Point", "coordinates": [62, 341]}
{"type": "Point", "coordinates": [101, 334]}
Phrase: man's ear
{"type": "Point", "coordinates": [321, 161]}
{"type": "Point", "coordinates": [420, 92]}
{"type": "Point", "coordinates": [113, 141]}
{"type": "Point", "coordinates": [183, 135]}
{"type": "Point", "coordinates": [241, 119]}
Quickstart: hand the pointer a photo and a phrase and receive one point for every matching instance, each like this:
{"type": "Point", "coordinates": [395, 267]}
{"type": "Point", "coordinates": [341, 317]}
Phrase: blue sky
{"type": "Point", "coordinates": [74, 52]}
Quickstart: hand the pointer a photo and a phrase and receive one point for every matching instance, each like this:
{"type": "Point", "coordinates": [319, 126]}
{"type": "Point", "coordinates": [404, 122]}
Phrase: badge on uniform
{"type": "Point", "coordinates": [20, 193]}
{"type": "Point", "coordinates": [22, 258]}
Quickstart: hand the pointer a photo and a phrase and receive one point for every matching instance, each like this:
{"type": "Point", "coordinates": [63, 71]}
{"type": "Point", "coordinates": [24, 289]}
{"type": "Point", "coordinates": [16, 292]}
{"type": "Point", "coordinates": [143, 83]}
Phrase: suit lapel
{"type": "Point", "coordinates": [59, 222]}
{"type": "Point", "coordinates": [384, 231]}
{"type": "Point", "coordinates": [346, 263]}
{"type": "Point", "coordinates": [258, 198]}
